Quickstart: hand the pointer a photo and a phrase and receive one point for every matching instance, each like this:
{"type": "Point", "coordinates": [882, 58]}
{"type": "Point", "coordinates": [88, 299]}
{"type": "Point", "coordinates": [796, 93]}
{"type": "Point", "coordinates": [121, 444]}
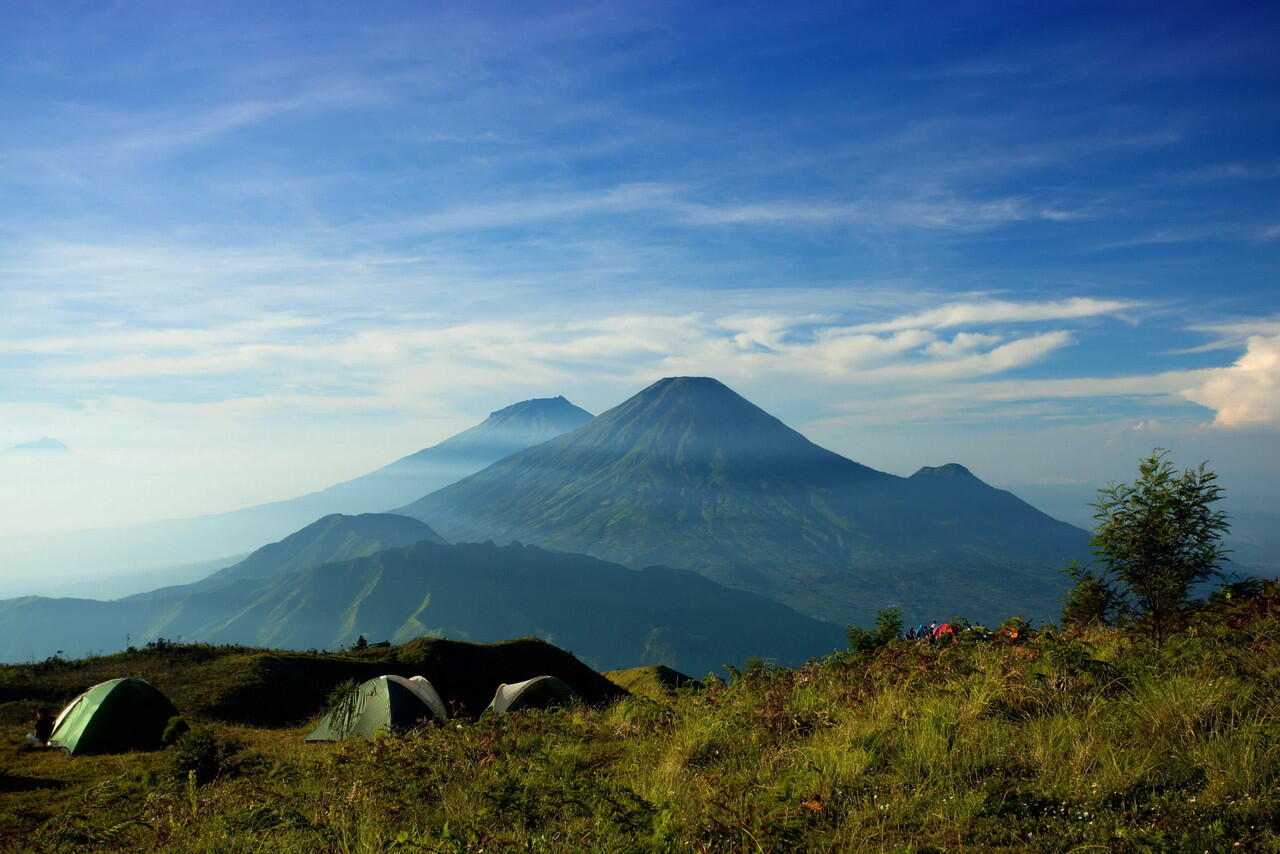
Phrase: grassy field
{"type": "Point", "coordinates": [1048, 743]}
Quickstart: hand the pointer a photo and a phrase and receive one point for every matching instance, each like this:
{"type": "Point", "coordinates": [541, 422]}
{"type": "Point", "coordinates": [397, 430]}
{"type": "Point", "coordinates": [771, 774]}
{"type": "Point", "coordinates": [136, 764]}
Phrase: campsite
{"type": "Point", "coordinates": [659, 427]}
{"type": "Point", "coordinates": [1002, 743]}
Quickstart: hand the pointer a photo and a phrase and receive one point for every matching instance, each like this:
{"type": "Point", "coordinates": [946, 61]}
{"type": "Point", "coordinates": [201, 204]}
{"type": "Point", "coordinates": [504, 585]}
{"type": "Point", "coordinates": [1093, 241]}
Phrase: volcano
{"type": "Point", "coordinates": [689, 473]}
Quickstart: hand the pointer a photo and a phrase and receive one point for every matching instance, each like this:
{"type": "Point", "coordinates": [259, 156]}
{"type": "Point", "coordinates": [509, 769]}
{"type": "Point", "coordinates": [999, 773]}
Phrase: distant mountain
{"type": "Point", "coordinates": [688, 473]}
{"type": "Point", "coordinates": [38, 626]}
{"type": "Point", "coordinates": [184, 541]}
{"type": "Point", "coordinates": [606, 614]}
{"type": "Point", "coordinates": [45, 445]}
{"type": "Point", "coordinates": [334, 538]}
{"type": "Point", "coordinates": [504, 432]}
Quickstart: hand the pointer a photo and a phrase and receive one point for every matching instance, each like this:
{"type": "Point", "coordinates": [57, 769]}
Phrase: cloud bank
{"type": "Point", "coordinates": [1248, 392]}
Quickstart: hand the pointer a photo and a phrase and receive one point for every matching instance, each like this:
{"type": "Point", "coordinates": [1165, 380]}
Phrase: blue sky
{"type": "Point", "coordinates": [250, 249]}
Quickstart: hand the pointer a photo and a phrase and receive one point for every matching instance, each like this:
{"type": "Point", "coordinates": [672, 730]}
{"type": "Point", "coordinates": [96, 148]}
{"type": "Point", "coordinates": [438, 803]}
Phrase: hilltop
{"type": "Point", "coordinates": [269, 687]}
{"type": "Point", "coordinates": [1044, 743]}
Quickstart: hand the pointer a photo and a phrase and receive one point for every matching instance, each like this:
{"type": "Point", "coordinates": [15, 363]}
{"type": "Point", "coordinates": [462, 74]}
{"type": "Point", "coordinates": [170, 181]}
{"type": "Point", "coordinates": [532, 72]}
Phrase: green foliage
{"type": "Point", "coordinates": [173, 730]}
{"type": "Point", "coordinates": [1081, 741]}
{"type": "Point", "coordinates": [201, 755]}
{"type": "Point", "coordinates": [343, 704]}
{"type": "Point", "coordinates": [1092, 599]}
{"type": "Point", "coordinates": [1159, 535]}
{"type": "Point", "coordinates": [888, 628]}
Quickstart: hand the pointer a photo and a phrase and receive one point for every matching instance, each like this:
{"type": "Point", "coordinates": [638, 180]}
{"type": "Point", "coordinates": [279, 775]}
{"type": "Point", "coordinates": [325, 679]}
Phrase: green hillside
{"type": "Point", "coordinates": [653, 681]}
{"type": "Point", "coordinates": [607, 614]}
{"type": "Point", "coordinates": [246, 685]}
{"type": "Point", "coordinates": [687, 473]}
{"type": "Point", "coordinates": [1047, 743]}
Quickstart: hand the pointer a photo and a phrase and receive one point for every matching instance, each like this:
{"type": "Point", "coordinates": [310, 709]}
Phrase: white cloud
{"type": "Point", "coordinates": [1235, 334]}
{"type": "Point", "coordinates": [1248, 392]}
{"type": "Point", "coordinates": [993, 400]}
{"type": "Point", "coordinates": [1000, 311]}
{"type": "Point", "coordinates": [962, 342]}
{"type": "Point", "coordinates": [233, 390]}
{"type": "Point", "coordinates": [397, 366]}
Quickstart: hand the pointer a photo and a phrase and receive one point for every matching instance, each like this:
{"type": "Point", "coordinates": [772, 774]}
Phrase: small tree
{"type": "Point", "coordinates": [888, 628]}
{"type": "Point", "coordinates": [1092, 599]}
{"type": "Point", "coordinates": [1159, 535]}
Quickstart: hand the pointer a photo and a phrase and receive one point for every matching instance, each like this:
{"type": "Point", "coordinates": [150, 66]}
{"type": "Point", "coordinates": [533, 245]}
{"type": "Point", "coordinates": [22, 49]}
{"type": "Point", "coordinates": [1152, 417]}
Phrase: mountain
{"type": "Point", "coordinates": [161, 545]}
{"type": "Point", "coordinates": [45, 445]}
{"type": "Point", "coordinates": [608, 615]}
{"type": "Point", "coordinates": [688, 473]}
{"type": "Point", "coordinates": [504, 432]}
{"type": "Point", "coordinates": [334, 538]}
{"type": "Point", "coordinates": [38, 626]}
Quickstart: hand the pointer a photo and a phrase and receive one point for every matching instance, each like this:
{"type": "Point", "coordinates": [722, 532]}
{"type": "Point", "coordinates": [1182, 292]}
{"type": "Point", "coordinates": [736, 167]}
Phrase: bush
{"type": "Point", "coordinates": [888, 628]}
{"type": "Point", "coordinates": [203, 754]}
{"type": "Point", "coordinates": [174, 729]}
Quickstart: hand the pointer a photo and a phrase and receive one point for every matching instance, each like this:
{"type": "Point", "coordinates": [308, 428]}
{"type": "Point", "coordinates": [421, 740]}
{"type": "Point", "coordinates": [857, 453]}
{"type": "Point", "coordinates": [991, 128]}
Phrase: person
{"type": "Point", "coordinates": [933, 629]}
{"type": "Point", "coordinates": [910, 635]}
{"type": "Point", "coordinates": [43, 728]}
{"type": "Point", "coordinates": [922, 631]}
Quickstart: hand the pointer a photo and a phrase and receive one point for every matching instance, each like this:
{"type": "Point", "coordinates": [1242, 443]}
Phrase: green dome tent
{"type": "Point", "coordinates": [380, 704]}
{"type": "Point", "coordinates": [112, 717]}
{"type": "Point", "coordinates": [540, 692]}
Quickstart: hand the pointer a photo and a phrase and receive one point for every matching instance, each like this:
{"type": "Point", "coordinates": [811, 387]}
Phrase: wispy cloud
{"type": "Point", "coordinates": [396, 366]}
{"type": "Point", "coordinates": [149, 135]}
{"type": "Point", "coordinates": [987, 312]}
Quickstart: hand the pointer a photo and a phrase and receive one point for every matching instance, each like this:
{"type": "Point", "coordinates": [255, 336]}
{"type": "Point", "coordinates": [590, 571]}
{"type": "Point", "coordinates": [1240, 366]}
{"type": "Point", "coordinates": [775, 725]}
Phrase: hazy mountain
{"type": "Point", "coordinates": [44, 445]}
{"type": "Point", "coordinates": [504, 432]}
{"type": "Point", "coordinates": [38, 626]}
{"type": "Point", "coordinates": [688, 473]}
{"type": "Point", "coordinates": [604, 613]}
{"type": "Point", "coordinates": [607, 614]}
{"type": "Point", "coordinates": [162, 545]}
{"type": "Point", "coordinates": [334, 538]}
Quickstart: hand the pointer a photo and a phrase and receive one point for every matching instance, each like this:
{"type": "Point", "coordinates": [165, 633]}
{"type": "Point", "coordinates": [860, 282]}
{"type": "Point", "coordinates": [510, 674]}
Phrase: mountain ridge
{"type": "Point", "coordinates": [689, 473]}
{"type": "Point", "coordinates": [173, 542]}
{"type": "Point", "coordinates": [607, 613]}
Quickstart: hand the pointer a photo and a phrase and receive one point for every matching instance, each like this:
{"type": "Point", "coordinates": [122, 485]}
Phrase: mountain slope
{"type": "Point", "coordinates": [182, 541]}
{"type": "Point", "coordinates": [688, 473]}
{"type": "Point", "coordinates": [606, 614]}
{"type": "Point", "coordinates": [334, 538]}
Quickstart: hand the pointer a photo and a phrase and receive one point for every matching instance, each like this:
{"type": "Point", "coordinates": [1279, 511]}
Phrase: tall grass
{"type": "Point", "coordinates": [1089, 744]}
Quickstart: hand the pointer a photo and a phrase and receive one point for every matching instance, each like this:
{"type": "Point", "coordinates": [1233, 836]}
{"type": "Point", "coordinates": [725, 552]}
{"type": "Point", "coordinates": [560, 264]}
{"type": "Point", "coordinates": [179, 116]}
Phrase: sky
{"type": "Point", "coordinates": [248, 250]}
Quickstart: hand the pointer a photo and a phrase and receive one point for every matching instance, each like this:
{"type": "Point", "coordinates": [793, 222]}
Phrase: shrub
{"type": "Point", "coordinates": [888, 628]}
{"type": "Point", "coordinates": [174, 729]}
{"type": "Point", "coordinates": [203, 754]}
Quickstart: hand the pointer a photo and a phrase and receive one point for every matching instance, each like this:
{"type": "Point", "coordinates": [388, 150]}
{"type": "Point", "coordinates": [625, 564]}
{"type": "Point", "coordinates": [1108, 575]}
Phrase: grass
{"type": "Point", "coordinates": [1095, 743]}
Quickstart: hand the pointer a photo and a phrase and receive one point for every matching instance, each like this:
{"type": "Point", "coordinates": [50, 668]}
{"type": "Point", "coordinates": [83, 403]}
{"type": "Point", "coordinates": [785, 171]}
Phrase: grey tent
{"type": "Point", "coordinates": [540, 692]}
{"type": "Point", "coordinates": [378, 705]}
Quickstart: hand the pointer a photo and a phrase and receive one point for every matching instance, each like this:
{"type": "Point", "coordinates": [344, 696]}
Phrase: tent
{"type": "Point", "coordinates": [113, 716]}
{"type": "Point", "coordinates": [380, 704]}
{"type": "Point", "coordinates": [540, 692]}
